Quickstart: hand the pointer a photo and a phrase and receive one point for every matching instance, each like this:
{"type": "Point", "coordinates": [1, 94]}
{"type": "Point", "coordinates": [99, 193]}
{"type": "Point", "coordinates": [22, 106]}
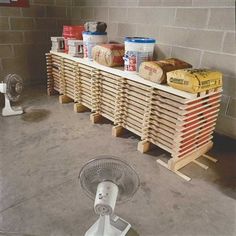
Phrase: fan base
{"type": "Point", "coordinates": [9, 110]}
{"type": "Point", "coordinates": [13, 111]}
{"type": "Point", "coordinates": [107, 226]}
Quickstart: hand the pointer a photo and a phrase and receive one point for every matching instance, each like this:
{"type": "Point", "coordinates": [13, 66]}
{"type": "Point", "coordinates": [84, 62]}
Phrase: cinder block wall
{"type": "Point", "coordinates": [25, 37]}
{"type": "Point", "coordinates": [201, 32]}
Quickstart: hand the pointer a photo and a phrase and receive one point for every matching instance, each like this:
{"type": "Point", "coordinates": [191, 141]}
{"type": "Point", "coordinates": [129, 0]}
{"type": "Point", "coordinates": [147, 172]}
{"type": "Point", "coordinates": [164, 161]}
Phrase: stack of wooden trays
{"type": "Point", "coordinates": [178, 122]}
{"type": "Point", "coordinates": [54, 62]}
{"type": "Point", "coordinates": [132, 105]}
{"type": "Point", "coordinates": [87, 86]}
{"type": "Point", "coordinates": [68, 78]}
{"type": "Point", "coordinates": [108, 94]}
{"type": "Point", "coordinates": [50, 80]}
{"type": "Point", "coordinates": [181, 126]}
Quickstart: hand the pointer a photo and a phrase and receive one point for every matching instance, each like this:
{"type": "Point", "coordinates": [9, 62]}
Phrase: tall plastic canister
{"type": "Point", "coordinates": [91, 39]}
{"type": "Point", "coordinates": [137, 50]}
{"type": "Point", "coordinates": [72, 32]}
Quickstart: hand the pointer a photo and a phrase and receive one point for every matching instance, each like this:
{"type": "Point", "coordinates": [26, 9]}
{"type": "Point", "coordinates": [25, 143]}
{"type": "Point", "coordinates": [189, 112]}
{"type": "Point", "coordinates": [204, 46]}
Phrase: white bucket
{"type": "Point", "coordinates": [137, 50]}
{"type": "Point", "coordinates": [91, 39]}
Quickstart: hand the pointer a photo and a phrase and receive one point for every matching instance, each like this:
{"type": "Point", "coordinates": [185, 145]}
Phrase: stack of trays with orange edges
{"type": "Point", "coordinates": [179, 125]}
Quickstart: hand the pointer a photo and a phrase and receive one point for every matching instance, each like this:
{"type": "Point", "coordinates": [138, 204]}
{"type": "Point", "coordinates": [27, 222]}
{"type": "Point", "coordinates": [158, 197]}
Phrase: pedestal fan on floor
{"type": "Point", "coordinates": [11, 87]}
{"type": "Point", "coordinates": [108, 180]}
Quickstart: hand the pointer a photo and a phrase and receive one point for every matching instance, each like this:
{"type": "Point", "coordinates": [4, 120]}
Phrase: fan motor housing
{"type": "Point", "coordinates": [105, 199]}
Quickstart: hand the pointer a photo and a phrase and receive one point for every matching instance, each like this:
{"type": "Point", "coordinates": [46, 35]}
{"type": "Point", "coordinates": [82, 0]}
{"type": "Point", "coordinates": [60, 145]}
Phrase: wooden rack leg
{"type": "Point", "coordinates": [65, 99]}
{"type": "Point", "coordinates": [200, 164]}
{"type": "Point", "coordinates": [95, 118]}
{"type": "Point", "coordinates": [78, 107]}
{"type": "Point", "coordinates": [117, 131]}
{"type": "Point", "coordinates": [210, 158]}
{"type": "Point", "coordinates": [144, 146]}
{"type": "Point", "coordinates": [185, 177]}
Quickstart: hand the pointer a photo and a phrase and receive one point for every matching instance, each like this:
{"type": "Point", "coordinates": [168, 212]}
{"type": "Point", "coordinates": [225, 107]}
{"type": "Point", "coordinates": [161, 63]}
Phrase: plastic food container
{"type": "Point", "coordinates": [58, 44]}
{"type": "Point", "coordinates": [91, 39]}
{"type": "Point", "coordinates": [72, 32]}
{"type": "Point", "coordinates": [137, 50]}
{"type": "Point", "coordinates": [75, 47]}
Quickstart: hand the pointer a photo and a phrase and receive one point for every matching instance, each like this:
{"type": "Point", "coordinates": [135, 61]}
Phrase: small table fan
{"type": "Point", "coordinates": [11, 87]}
{"type": "Point", "coordinates": [108, 180]}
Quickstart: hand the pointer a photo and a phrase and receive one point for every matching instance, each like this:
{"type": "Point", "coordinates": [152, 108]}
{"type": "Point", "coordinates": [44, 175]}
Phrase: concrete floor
{"type": "Point", "coordinates": [43, 150]}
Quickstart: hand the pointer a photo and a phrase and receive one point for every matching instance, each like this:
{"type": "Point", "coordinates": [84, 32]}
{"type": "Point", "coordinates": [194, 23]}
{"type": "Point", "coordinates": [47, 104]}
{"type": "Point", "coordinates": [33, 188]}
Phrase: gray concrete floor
{"type": "Point", "coordinates": [43, 150]}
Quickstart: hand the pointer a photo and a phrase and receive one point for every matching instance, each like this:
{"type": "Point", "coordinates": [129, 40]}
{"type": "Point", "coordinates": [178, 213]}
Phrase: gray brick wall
{"type": "Point", "coordinates": [25, 37]}
{"type": "Point", "coordinates": [201, 32]}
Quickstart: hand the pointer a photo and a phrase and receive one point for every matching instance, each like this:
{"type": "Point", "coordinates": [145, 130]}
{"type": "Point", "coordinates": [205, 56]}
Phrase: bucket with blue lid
{"type": "Point", "coordinates": [91, 39]}
{"type": "Point", "coordinates": [137, 50]}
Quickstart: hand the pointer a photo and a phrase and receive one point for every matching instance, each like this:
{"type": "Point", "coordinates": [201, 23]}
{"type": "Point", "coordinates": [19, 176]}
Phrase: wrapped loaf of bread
{"type": "Point", "coordinates": [194, 80]}
{"type": "Point", "coordinates": [109, 54]}
{"type": "Point", "coordinates": [155, 71]}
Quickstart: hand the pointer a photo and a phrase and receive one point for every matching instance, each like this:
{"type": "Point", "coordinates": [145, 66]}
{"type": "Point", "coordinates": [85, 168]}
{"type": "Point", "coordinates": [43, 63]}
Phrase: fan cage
{"type": "Point", "coordinates": [109, 168]}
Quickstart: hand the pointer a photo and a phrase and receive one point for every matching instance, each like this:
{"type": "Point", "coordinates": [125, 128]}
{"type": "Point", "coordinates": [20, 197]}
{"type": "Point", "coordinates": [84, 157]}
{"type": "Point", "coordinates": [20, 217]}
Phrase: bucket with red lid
{"type": "Point", "coordinates": [72, 32]}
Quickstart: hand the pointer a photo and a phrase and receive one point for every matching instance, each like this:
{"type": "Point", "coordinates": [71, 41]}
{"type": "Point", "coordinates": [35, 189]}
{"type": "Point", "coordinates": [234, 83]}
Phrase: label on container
{"type": "Point", "coordinates": [88, 46]}
{"type": "Point", "coordinates": [133, 59]}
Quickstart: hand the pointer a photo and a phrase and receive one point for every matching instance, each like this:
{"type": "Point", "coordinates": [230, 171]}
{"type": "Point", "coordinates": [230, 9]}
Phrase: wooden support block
{"type": "Point", "coordinates": [95, 118]}
{"type": "Point", "coordinates": [210, 158]}
{"type": "Point", "coordinates": [117, 130]}
{"type": "Point", "coordinates": [51, 91]}
{"type": "Point", "coordinates": [144, 146]}
{"type": "Point", "coordinates": [200, 164]}
{"type": "Point", "coordinates": [78, 107]}
{"type": "Point", "coordinates": [65, 99]}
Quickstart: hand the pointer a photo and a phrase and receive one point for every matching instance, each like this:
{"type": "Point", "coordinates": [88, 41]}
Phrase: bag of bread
{"type": "Point", "coordinates": [109, 54]}
{"type": "Point", "coordinates": [155, 71]}
{"type": "Point", "coordinates": [194, 80]}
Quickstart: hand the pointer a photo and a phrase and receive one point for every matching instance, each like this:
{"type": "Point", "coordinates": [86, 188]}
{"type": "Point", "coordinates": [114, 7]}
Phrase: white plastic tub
{"type": "Point", "coordinates": [91, 39]}
{"type": "Point", "coordinates": [137, 50]}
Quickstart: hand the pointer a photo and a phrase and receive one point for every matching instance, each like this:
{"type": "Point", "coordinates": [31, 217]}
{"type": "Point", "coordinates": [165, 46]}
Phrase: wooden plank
{"type": "Point", "coordinates": [190, 150]}
{"type": "Point", "coordinates": [210, 158]}
{"type": "Point", "coordinates": [162, 163]}
{"type": "Point", "coordinates": [205, 167]}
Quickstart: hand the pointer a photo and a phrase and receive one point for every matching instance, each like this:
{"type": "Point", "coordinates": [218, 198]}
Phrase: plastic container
{"type": "Point", "coordinates": [137, 50]}
{"type": "Point", "coordinates": [57, 44]}
{"type": "Point", "coordinates": [75, 47]}
{"type": "Point", "coordinates": [91, 39]}
{"type": "Point", "coordinates": [72, 32]}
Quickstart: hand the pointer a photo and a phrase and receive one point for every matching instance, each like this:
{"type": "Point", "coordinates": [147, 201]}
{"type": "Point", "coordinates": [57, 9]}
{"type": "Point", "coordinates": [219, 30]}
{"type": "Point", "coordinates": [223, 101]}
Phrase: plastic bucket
{"type": "Point", "coordinates": [137, 50]}
{"type": "Point", "coordinates": [72, 32]}
{"type": "Point", "coordinates": [91, 39]}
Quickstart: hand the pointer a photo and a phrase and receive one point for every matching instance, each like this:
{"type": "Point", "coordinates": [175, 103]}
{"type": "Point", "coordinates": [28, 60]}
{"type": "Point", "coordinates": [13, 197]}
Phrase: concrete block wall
{"type": "Point", "coordinates": [201, 32]}
{"type": "Point", "coordinates": [25, 37]}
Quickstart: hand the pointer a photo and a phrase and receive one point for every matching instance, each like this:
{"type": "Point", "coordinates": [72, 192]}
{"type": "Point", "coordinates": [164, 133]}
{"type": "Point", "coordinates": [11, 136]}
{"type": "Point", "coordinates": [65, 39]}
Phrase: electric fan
{"type": "Point", "coordinates": [108, 180]}
{"type": "Point", "coordinates": [11, 87]}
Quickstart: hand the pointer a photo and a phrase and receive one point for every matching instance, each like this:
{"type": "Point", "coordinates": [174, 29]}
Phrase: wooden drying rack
{"type": "Point", "coordinates": [181, 123]}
